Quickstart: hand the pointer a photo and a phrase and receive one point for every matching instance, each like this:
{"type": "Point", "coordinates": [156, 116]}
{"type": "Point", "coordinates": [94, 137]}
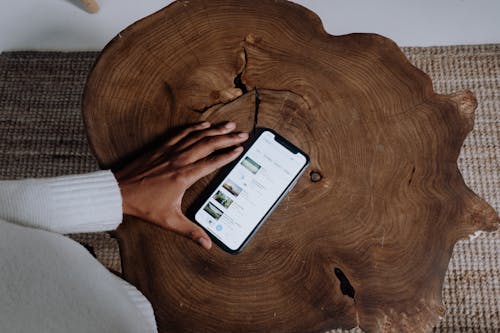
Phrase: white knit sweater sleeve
{"type": "Point", "coordinates": [69, 204]}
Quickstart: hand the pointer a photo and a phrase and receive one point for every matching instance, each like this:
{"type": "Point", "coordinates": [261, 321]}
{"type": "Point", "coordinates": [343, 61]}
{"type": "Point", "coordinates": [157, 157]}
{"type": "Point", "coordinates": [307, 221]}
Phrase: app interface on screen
{"type": "Point", "coordinates": [249, 190]}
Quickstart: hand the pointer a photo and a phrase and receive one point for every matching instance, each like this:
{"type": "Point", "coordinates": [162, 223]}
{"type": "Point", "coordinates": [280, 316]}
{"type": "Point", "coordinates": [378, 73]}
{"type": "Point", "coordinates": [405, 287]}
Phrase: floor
{"type": "Point", "coordinates": [63, 25]}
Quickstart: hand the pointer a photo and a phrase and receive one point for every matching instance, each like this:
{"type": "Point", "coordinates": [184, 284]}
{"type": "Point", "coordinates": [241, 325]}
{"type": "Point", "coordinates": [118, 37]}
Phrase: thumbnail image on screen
{"type": "Point", "coordinates": [251, 165]}
{"type": "Point", "coordinates": [223, 199]}
{"type": "Point", "coordinates": [215, 212]}
{"type": "Point", "coordinates": [232, 188]}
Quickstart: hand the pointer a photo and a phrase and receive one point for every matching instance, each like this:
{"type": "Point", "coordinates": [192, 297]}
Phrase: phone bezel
{"type": "Point", "coordinates": [215, 183]}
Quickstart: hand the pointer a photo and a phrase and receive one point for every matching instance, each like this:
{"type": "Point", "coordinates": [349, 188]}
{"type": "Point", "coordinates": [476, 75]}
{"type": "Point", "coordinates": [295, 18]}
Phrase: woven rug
{"type": "Point", "coordinates": [42, 135]}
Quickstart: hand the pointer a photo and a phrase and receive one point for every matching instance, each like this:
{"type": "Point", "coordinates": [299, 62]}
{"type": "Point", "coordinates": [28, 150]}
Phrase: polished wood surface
{"type": "Point", "coordinates": [366, 235]}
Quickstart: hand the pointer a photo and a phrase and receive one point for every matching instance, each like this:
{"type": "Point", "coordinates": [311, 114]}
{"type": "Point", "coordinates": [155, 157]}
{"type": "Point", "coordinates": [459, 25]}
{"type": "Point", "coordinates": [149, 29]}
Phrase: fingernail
{"type": "Point", "coordinates": [205, 124]}
{"type": "Point", "coordinates": [238, 149]}
{"type": "Point", "coordinates": [205, 243]}
{"type": "Point", "coordinates": [243, 135]}
{"type": "Point", "coordinates": [230, 125]}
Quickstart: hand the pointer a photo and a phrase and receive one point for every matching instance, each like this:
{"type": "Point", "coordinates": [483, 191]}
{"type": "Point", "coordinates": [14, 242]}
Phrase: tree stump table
{"type": "Point", "coordinates": [364, 239]}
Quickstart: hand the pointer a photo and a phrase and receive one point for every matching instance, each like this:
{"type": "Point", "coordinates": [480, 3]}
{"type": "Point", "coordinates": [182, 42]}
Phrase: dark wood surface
{"type": "Point", "coordinates": [363, 240]}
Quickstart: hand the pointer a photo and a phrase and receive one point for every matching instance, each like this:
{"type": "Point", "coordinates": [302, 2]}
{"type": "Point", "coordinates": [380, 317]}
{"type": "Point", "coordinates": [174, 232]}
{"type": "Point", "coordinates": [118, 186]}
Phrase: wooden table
{"type": "Point", "coordinates": [364, 239]}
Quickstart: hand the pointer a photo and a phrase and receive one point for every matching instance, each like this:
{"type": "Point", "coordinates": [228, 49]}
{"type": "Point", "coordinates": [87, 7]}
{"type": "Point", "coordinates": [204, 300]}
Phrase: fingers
{"type": "Point", "coordinates": [190, 140]}
{"type": "Point", "coordinates": [190, 230]}
{"type": "Point", "coordinates": [185, 132]}
{"type": "Point", "coordinates": [200, 169]}
{"type": "Point", "coordinates": [207, 146]}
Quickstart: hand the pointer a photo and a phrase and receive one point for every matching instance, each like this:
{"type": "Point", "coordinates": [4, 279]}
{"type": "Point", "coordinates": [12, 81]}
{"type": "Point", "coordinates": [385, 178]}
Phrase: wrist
{"type": "Point", "coordinates": [132, 203]}
{"type": "Point", "coordinates": [127, 207]}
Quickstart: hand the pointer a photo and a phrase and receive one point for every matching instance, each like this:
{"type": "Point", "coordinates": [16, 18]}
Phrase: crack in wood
{"type": "Point", "coordinates": [205, 108]}
{"type": "Point", "coordinates": [411, 176]}
{"type": "Point", "coordinates": [256, 115]}
{"type": "Point", "coordinates": [345, 286]}
{"type": "Point", "coordinates": [238, 83]}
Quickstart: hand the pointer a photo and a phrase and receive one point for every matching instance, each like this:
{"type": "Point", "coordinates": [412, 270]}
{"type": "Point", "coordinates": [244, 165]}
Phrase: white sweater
{"type": "Point", "coordinates": [50, 283]}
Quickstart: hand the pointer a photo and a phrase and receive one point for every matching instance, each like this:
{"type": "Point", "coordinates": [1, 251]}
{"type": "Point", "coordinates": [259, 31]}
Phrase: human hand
{"type": "Point", "coordinates": [153, 185]}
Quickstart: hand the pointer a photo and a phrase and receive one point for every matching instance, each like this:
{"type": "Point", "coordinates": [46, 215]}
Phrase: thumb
{"type": "Point", "coordinates": [190, 230]}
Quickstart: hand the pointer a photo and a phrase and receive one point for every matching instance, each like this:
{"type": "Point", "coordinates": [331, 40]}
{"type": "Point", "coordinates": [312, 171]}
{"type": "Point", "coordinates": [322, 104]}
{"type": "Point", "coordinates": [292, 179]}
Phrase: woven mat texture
{"type": "Point", "coordinates": [42, 135]}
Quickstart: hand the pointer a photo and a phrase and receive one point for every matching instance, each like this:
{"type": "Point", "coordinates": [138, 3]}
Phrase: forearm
{"type": "Point", "coordinates": [79, 203]}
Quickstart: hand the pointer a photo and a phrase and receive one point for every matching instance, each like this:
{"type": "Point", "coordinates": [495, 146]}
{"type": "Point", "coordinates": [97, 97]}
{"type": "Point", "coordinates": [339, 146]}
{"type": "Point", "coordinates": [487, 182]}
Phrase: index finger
{"type": "Point", "coordinates": [185, 132]}
{"type": "Point", "coordinates": [209, 145]}
{"type": "Point", "coordinates": [206, 166]}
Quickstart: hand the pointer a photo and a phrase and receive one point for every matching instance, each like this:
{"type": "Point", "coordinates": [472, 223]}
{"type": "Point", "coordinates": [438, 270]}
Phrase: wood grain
{"type": "Point", "coordinates": [365, 239]}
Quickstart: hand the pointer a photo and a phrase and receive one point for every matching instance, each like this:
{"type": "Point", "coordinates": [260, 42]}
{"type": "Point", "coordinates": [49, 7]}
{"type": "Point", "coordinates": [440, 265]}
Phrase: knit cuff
{"type": "Point", "coordinates": [69, 204]}
{"type": "Point", "coordinates": [85, 203]}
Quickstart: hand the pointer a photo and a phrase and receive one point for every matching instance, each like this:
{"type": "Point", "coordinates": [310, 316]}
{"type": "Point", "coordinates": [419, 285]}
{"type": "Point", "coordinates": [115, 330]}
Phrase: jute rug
{"type": "Point", "coordinates": [42, 135]}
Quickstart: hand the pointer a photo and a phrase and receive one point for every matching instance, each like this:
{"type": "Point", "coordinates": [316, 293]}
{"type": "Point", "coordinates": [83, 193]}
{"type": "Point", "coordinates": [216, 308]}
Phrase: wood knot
{"type": "Point", "coordinates": [315, 176]}
{"type": "Point", "coordinates": [252, 39]}
{"type": "Point", "coordinates": [466, 103]}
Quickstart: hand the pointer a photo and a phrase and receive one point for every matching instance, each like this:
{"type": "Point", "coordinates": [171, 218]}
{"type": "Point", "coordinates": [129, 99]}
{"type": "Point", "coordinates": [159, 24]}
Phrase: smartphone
{"type": "Point", "coordinates": [246, 193]}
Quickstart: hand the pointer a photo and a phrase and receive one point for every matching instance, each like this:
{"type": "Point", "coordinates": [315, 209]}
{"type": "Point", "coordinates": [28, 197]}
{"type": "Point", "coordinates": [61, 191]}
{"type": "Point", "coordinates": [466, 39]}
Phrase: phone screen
{"type": "Point", "coordinates": [250, 190]}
